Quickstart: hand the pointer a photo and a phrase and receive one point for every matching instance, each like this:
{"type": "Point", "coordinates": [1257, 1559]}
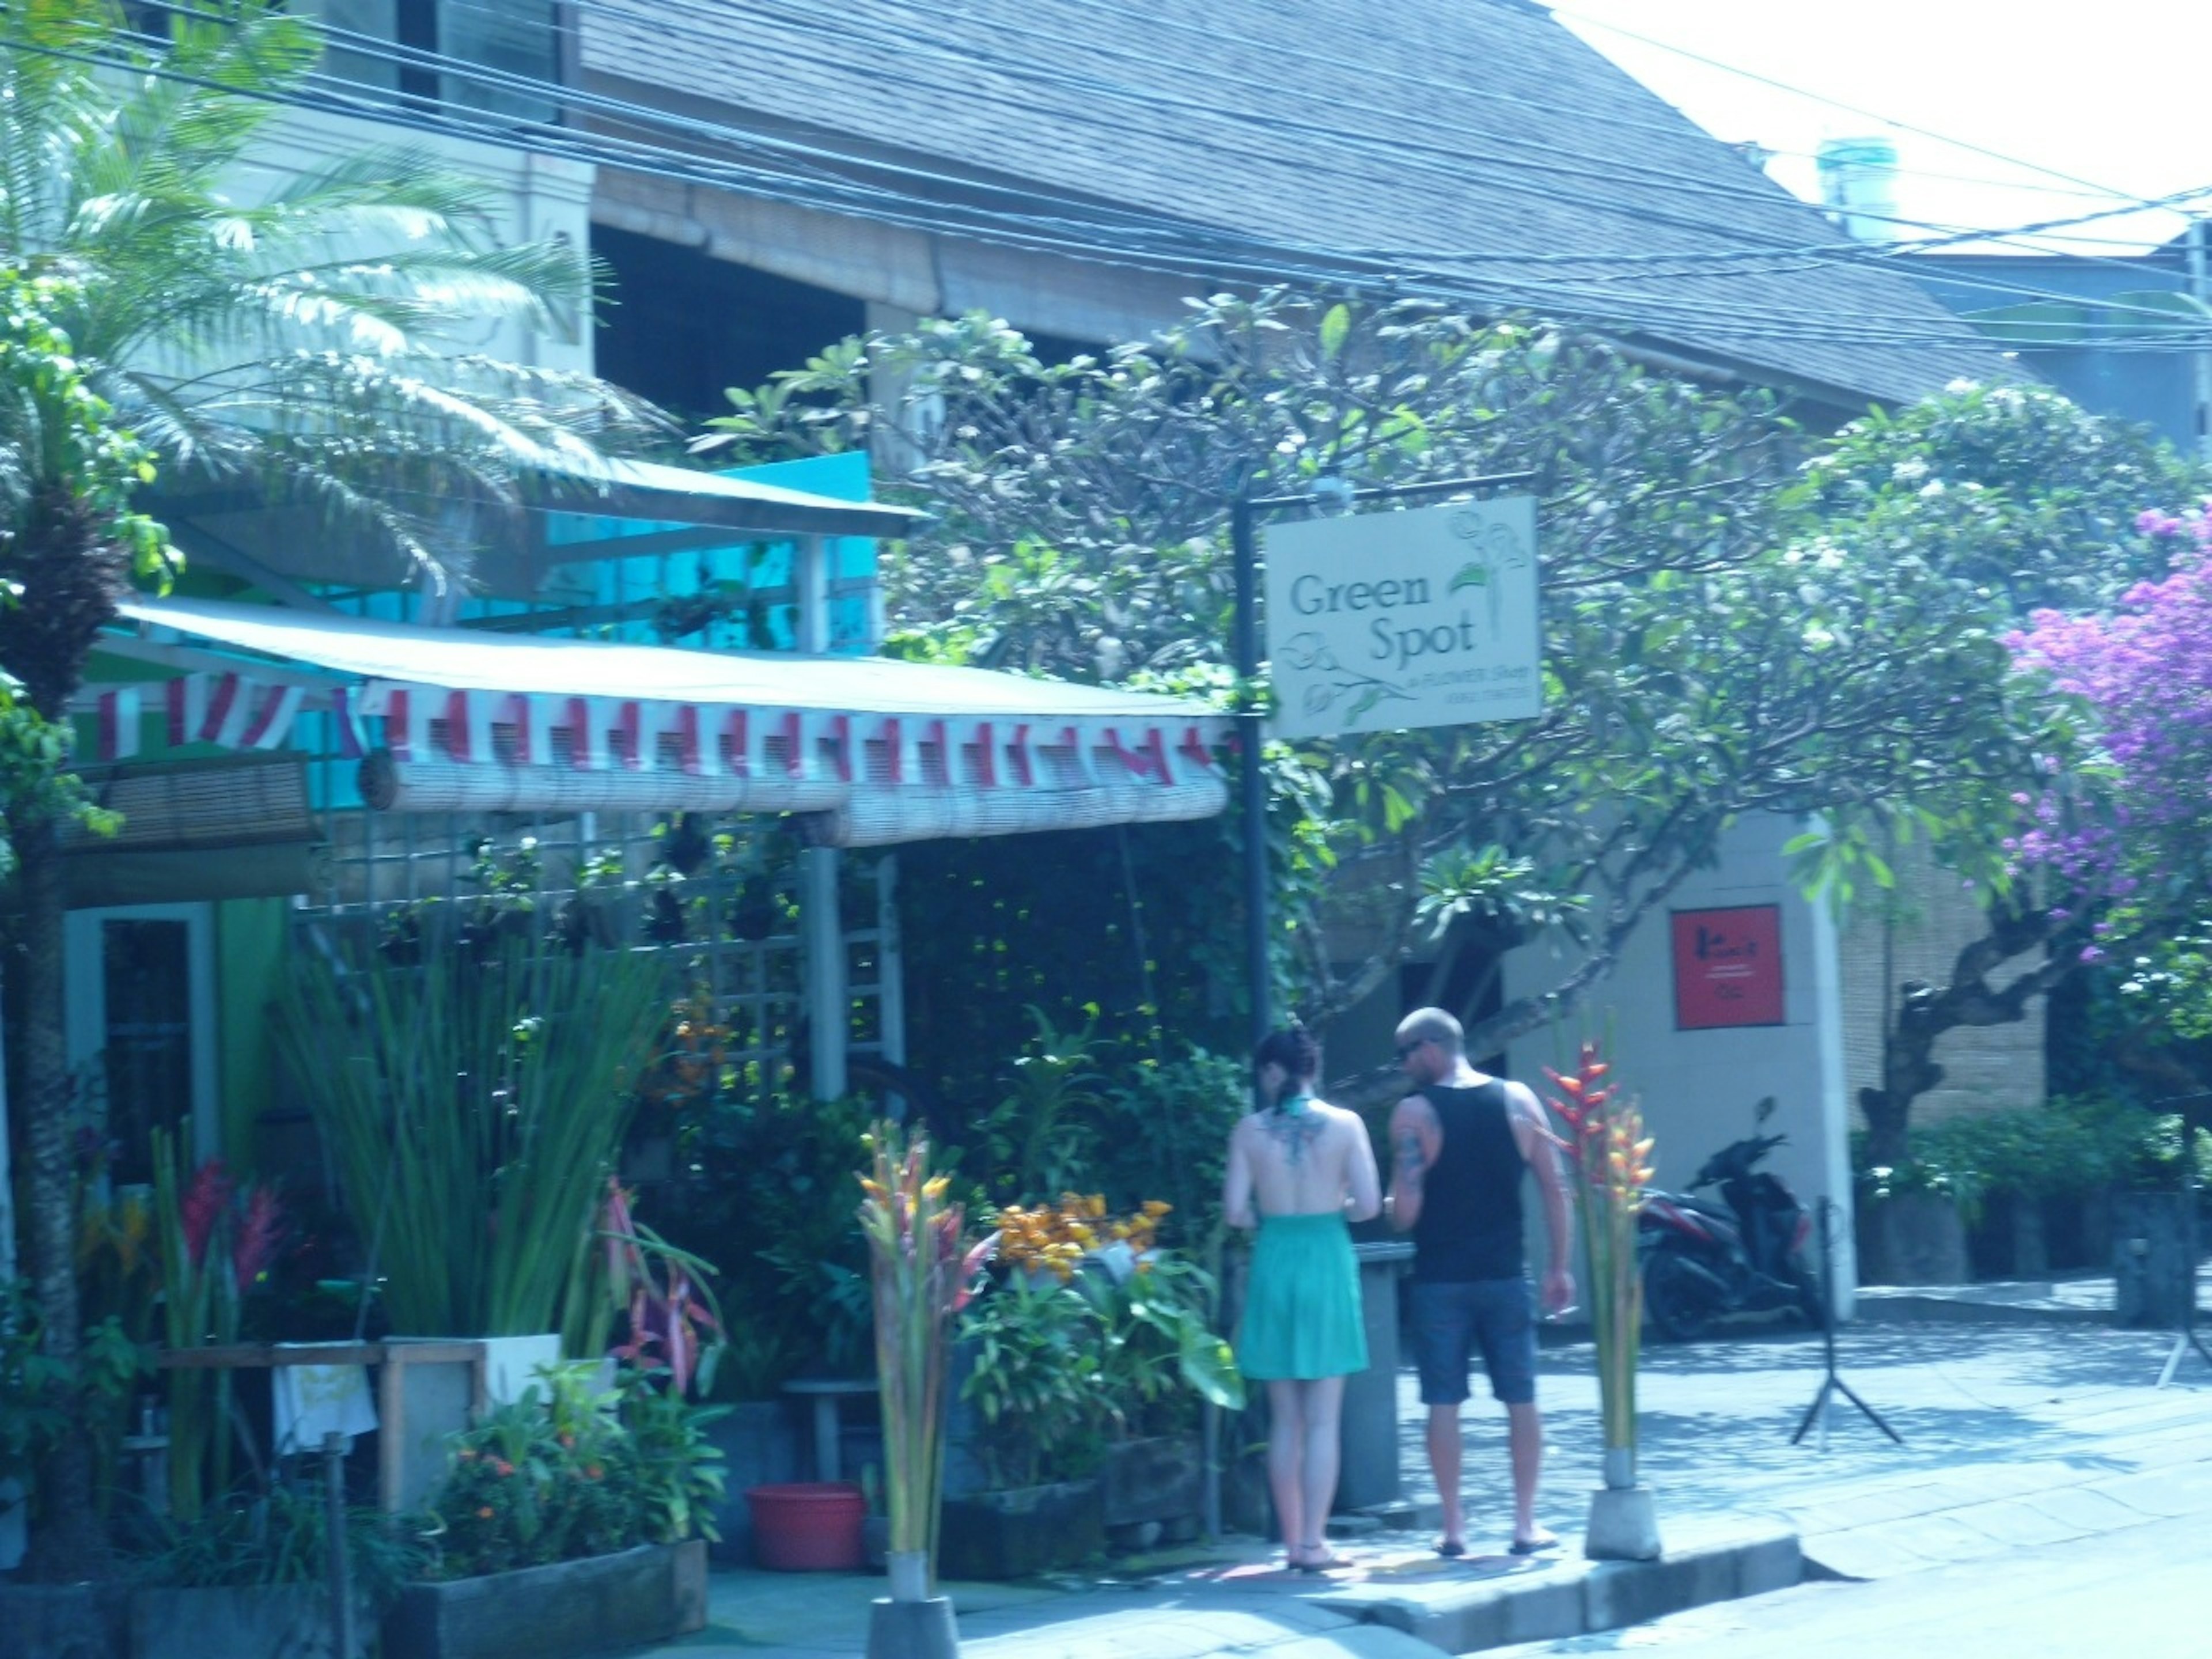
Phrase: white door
{"type": "Point", "coordinates": [142, 1027]}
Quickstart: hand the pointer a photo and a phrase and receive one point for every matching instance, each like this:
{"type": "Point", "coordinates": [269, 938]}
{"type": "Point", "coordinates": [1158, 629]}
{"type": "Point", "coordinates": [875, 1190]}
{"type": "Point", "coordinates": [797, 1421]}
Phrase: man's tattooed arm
{"type": "Point", "coordinates": [1409, 1162]}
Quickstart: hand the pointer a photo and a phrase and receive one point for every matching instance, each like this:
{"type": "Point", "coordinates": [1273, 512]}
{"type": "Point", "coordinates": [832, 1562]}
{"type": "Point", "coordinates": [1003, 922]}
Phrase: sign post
{"type": "Point", "coordinates": [1390, 621]}
{"type": "Point", "coordinates": [1378, 622]}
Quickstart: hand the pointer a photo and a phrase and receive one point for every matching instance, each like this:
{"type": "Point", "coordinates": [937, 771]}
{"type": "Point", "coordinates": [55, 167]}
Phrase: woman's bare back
{"type": "Point", "coordinates": [1305, 1163]}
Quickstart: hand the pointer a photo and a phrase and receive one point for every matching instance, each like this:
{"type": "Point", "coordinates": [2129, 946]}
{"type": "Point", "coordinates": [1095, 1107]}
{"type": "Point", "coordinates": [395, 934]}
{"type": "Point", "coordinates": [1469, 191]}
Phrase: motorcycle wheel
{"type": "Point", "coordinates": [1677, 1304]}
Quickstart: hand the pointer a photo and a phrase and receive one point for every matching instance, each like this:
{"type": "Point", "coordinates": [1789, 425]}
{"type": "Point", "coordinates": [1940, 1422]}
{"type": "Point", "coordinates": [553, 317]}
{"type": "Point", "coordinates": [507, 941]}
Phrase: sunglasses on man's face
{"type": "Point", "coordinates": [1406, 1048]}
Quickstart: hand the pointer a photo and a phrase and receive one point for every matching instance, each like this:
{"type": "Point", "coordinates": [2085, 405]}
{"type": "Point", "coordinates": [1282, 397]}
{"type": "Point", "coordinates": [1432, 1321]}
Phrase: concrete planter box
{"type": "Point", "coordinates": [1015, 1534]}
{"type": "Point", "coordinates": [601, 1604]}
{"type": "Point", "coordinates": [274, 1621]}
{"type": "Point", "coordinates": [1152, 1490]}
{"type": "Point", "coordinates": [1912, 1238]}
{"type": "Point", "coordinates": [2154, 1278]}
{"type": "Point", "coordinates": [64, 1622]}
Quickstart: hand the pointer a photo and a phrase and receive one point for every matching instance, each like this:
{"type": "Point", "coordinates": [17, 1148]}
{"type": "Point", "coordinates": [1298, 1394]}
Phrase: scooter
{"type": "Point", "coordinates": [1702, 1262]}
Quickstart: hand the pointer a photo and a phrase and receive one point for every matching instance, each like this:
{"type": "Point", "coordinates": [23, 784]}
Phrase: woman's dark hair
{"type": "Point", "coordinates": [1292, 1049]}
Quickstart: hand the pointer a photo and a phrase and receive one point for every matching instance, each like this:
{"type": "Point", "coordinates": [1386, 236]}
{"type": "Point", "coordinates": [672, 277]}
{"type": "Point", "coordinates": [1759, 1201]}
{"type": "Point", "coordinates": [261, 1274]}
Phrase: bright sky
{"type": "Point", "coordinates": [2110, 93]}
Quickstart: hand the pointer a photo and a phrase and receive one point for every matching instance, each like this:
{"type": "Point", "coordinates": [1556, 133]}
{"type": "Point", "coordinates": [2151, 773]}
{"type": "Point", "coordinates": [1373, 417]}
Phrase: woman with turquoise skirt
{"type": "Point", "coordinates": [1300, 1170]}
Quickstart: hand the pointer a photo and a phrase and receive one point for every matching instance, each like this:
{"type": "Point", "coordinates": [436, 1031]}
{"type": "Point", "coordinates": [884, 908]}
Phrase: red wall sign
{"type": "Point", "coordinates": [1728, 967]}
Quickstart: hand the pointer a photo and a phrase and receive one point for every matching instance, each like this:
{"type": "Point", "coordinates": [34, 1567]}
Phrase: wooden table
{"type": "Point", "coordinates": [388, 1357]}
{"type": "Point", "coordinates": [825, 1392]}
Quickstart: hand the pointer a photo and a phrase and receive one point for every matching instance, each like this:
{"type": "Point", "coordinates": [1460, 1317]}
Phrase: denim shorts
{"type": "Point", "coordinates": [1451, 1319]}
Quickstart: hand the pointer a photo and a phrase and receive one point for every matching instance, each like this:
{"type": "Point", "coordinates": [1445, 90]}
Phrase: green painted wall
{"type": "Point", "coordinates": [250, 949]}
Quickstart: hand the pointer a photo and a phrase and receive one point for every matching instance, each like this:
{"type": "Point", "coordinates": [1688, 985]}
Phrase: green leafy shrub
{"type": "Point", "coordinates": [1035, 1381]}
{"type": "Point", "coordinates": [2070, 1148]}
{"type": "Point", "coordinates": [248, 1540]}
{"type": "Point", "coordinates": [1070, 1354]}
{"type": "Point", "coordinates": [1158, 1353]}
{"type": "Point", "coordinates": [764, 1191]}
{"type": "Point", "coordinates": [571, 1470]}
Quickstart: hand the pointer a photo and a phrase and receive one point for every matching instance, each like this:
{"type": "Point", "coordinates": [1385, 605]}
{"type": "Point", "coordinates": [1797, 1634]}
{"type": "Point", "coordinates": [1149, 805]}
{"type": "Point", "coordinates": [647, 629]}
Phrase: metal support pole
{"type": "Point", "coordinates": [823, 927]}
{"type": "Point", "coordinates": [1252, 731]}
{"type": "Point", "coordinates": [341, 1561]}
{"type": "Point", "coordinates": [2200, 289]}
{"type": "Point", "coordinates": [821, 924]}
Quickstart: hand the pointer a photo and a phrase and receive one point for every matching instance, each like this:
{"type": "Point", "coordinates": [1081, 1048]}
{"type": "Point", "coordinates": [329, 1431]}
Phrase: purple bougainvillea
{"type": "Point", "coordinates": [2145, 674]}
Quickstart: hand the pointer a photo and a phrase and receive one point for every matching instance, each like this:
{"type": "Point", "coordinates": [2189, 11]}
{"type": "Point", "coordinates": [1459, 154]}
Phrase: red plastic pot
{"type": "Point", "coordinates": [812, 1526]}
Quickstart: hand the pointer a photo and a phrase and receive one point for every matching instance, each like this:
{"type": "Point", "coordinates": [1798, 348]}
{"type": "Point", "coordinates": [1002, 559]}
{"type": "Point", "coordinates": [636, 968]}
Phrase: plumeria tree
{"type": "Point", "coordinates": [1738, 617]}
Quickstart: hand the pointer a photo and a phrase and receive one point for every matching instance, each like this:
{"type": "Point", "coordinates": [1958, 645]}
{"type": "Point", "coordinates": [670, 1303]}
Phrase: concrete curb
{"type": "Point", "coordinates": [1959, 1310]}
{"type": "Point", "coordinates": [1564, 1595]}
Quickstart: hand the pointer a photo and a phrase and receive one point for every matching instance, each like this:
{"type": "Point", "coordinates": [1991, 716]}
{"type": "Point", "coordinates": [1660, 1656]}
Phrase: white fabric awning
{"type": "Point", "coordinates": [458, 720]}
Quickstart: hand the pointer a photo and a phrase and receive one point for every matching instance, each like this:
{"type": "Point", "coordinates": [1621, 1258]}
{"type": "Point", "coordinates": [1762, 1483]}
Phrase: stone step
{"type": "Point", "coordinates": [1481, 1602]}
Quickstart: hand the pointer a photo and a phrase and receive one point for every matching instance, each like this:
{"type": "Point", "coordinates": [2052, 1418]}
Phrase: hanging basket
{"type": "Point", "coordinates": [808, 1526]}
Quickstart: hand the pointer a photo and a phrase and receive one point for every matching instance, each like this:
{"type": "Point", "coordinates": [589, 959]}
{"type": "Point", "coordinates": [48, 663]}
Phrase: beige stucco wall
{"type": "Point", "coordinates": [1916, 934]}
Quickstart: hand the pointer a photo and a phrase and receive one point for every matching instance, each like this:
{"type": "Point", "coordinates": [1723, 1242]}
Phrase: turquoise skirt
{"type": "Point", "coordinates": [1301, 1315]}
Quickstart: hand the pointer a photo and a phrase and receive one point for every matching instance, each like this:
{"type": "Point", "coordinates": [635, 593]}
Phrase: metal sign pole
{"type": "Point", "coordinates": [1252, 723]}
{"type": "Point", "coordinates": [1252, 736]}
{"type": "Point", "coordinates": [1830, 1383]}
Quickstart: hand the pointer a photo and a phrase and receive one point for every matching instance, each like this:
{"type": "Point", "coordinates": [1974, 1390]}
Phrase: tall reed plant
{"type": "Point", "coordinates": [1611, 1155]}
{"type": "Point", "coordinates": [923, 1265]}
{"type": "Point", "coordinates": [474, 1108]}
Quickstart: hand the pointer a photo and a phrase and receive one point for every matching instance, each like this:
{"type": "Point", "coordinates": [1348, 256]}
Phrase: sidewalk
{"type": "Point", "coordinates": [2015, 1435]}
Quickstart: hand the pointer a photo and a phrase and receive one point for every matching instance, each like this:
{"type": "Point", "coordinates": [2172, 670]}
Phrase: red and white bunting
{"type": "Point", "coordinates": [588, 721]}
{"type": "Point", "coordinates": [346, 722]}
{"type": "Point", "coordinates": [229, 710]}
{"type": "Point", "coordinates": [406, 711]}
{"type": "Point", "coordinates": [270, 726]}
{"type": "Point", "coordinates": [468, 723]}
{"type": "Point", "coordinates": [119, 713]}
{"type": "Point", "coordinates": [184, 700]}
{"type": "Point", "coordinates": [783, 750]}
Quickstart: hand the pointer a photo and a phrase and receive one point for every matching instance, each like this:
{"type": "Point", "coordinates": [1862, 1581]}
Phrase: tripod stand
{"type": "Point", "coordinates": [2192, 1195]}
{"type": "Point", "coordinates": [1832, 1384]}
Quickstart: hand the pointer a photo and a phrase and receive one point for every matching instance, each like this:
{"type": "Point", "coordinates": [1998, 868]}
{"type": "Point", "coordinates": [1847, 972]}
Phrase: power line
{"type": "Point", "coordinates": [629, 112]}
{"type": "Point", "coordinates": [1849, 109]}
{"type": "Point", "coordinates": [661, 18]}
{"type": "Point", "coordinates": [1206, 251]}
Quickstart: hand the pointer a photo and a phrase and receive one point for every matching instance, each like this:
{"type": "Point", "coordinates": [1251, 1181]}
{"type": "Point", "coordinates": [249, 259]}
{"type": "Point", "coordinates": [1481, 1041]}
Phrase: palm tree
{"type": "Point", "coordinates": [296, 343]}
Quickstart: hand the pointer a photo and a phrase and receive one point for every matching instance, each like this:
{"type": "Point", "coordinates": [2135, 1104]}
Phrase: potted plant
{"type": "Point", "coordinates": [473, 1106]}
{"type": "Point", "coordinates": [1040, 1431]}
{"type": "Point", "coordinates": [1085, 1367]}
{"type": "Point", "coordinates": [573, 1520]}
{"type": "Point", "coordinates": [1159, 1360]}
{"type": "Point", "coordinates": [920, 1266]}
{"type": "Point", "coordinates": [1609, 1151]}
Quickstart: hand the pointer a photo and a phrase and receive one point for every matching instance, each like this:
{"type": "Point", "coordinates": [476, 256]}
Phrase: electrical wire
{"type": "Point", "coordinates": [1681, 263]}
{"type": "Point", "coordinates": [1674, 128]}
{"type": "Point", "coordinates": [545, 90]}
{"type": "Point", "coordinates": [1837, 104]}
{"type": "Point", "coordinates": [1192, 246]}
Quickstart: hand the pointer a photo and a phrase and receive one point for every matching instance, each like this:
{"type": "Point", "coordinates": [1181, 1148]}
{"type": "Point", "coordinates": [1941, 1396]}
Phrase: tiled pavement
{"type": "Point", "coordinates": [2016, 1435]}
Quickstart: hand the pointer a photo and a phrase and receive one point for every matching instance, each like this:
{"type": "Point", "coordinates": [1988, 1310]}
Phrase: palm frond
{"type": "Point", "coordinates": [294, 339]}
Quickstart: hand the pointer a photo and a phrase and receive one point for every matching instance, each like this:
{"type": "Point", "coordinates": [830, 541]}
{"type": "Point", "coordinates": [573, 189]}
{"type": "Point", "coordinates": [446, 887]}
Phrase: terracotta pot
{"type": "Point", "coordinates": [808, 1526]}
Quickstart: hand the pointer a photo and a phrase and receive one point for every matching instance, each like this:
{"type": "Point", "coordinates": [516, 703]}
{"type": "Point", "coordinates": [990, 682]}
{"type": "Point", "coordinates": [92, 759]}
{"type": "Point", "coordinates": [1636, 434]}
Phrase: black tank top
{"type": "Point", "coordinates": [1470, 1224]}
